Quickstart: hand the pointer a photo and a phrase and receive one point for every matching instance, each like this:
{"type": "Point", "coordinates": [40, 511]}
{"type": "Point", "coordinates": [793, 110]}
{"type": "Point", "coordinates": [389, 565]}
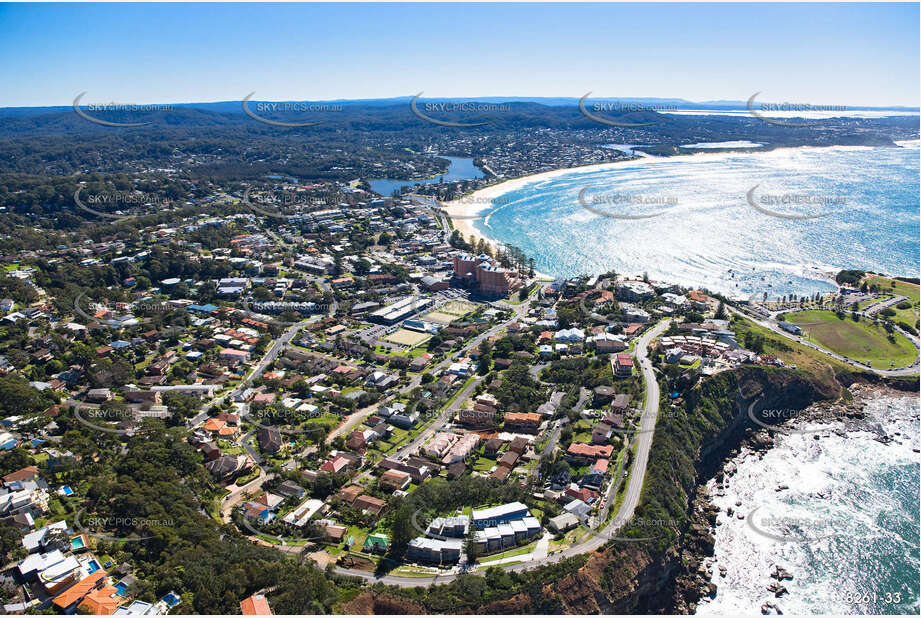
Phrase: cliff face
{"type": "Point", "coordinates": [659, 569]}
{"type": "Point", "coordinates": [627, 578]}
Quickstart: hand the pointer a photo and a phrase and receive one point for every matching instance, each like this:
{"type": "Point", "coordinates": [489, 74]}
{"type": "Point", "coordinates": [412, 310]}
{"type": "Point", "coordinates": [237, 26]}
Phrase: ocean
{"type": "Point", "coordinates": [845, 526]}
{"type": "Point", "coordinates": [705, 231]}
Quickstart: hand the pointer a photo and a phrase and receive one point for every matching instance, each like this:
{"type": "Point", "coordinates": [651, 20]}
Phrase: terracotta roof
{"type": "Point", "coordinates": [21, 475]}
{"type": "Point", "coordinates": [350, 493]}
{"type": "Point", "coordinates": [256, 605]}
{"type": "Point", "coordinates": [213, 424]}
{"type": "Point", "coordinates": [101, 602]}
{"type": "Point", "coordinates": [522, 417]}
{"type": "Point", "coordinates": [369, 503]}
{"type": "Point", "coordinates": [79, 590]}
{"type": "Point", "coordinates": [589, 450]}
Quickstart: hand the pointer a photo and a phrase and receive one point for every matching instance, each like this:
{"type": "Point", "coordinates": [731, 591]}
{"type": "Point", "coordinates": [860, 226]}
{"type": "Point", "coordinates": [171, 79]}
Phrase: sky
{"type": "Point", "coordinates": [832, 54]}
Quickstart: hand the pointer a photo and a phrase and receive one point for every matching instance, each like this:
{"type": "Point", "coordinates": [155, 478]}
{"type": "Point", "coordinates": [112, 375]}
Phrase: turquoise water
{"type": "Point", "coordinates": [76, 543]}
{"type": "Point", "coordinates": [459, 169]}
{"type": "Point", "coordinates": [93, 566]}
{"type": "Point", "coordinates": [706, 233]}
{"type": "Point", "coordinates": [849, 518]}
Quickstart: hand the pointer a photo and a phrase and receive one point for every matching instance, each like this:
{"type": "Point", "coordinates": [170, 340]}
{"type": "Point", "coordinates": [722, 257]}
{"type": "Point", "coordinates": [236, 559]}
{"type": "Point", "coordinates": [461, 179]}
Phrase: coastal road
{"type": "Point", "coordinates": [640, 459]}
{"type": "Point", "coordinates": [627, 508]}
{"type": "Point", "coordinates": [773, 326]}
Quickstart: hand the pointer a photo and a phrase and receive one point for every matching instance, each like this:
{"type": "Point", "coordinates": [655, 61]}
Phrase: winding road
{"type": "Point", "coordinates": [627, 508]}
{"type": "Point", "coordinates": [773, 326]}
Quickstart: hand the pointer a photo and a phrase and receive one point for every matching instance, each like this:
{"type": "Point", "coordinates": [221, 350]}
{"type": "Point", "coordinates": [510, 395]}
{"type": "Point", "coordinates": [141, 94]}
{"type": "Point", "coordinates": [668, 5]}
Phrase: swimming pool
{"type": "Point", "coordinates": [121, 588]}
{"type": "Point", "coordinates": [77, 543]}
{"type": "Point", "coordinates": [93, 566]}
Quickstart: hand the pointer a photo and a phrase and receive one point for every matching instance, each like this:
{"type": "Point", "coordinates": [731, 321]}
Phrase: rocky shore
{"type": "Point", "coordinates": [695, 580]}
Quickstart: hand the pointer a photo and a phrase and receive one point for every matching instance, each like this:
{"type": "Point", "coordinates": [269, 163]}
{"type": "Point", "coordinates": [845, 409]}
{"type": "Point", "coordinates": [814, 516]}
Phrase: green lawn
{"type": "Point", "coordinates": [910, 315]}
{"type": "Point", "coordinates": [819, 365]}
{"type": "Point", "coordinates": [397, 439]}
{"type": "Point", "coordinates": [484, 465]}
{"type": "Point", "coordinates": [518, 551]}
{"type": "Point", "coordinates": [862, 341]}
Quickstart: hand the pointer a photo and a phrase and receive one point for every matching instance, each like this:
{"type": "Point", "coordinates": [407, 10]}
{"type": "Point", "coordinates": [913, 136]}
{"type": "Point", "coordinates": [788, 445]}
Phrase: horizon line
{"type": "Point", "coordinates": [509, 98]}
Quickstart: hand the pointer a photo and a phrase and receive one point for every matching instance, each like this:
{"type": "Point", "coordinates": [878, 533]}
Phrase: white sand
{"type": "Point", "coordinates": [463, 211]}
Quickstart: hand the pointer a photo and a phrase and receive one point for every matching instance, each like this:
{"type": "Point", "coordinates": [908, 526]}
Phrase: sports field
{"type": "Point", "coordinates": [863, 341]}
{"type": "Point", "coordinates": [457, 307]}
{"type": "Point", "coordinates": [439, 317]}
{"type": "Point", "coordinates": [406, 337]}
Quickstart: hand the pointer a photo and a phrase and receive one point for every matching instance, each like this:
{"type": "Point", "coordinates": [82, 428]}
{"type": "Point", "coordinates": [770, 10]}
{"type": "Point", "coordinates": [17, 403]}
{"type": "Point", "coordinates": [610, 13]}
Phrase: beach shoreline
{"type": "Point", "coordinates": [464, 211]}
{"type": "Point", "coordinates": [467, 209]}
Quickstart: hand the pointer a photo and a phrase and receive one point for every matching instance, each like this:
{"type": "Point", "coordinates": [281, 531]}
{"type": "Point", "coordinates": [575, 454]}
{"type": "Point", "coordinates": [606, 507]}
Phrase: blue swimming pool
{"type": "Point", "coordinates": [77, 542]}
{"type": "Point", "coordinates": [121, 588]}
{"type": "Point", "coordinates": [93, 566]}
{"type": "Point", "coordinates": [172, 599]}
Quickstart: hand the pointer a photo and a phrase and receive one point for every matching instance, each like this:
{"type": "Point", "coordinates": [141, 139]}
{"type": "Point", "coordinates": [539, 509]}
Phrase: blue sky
{"type": "Point", "coordinates": [846, 54]}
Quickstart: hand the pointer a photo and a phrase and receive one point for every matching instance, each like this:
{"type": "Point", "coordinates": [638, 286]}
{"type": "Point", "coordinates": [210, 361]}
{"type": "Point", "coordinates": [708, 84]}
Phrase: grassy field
{"type": "Point", "coordinates": [457, 307]}
{"type": "Point", "coordinates": [863, 341]}
{"type": "Point", "coordinates": [439, 317]}
{"type": "Point", "coordinates": [811, 361]}
{"type": "Point", "coordinates": [901, 288]}
{"type": "Point", "coordinates": [406, 337]}
{"type": "Point", "coordinates": [484, 465]}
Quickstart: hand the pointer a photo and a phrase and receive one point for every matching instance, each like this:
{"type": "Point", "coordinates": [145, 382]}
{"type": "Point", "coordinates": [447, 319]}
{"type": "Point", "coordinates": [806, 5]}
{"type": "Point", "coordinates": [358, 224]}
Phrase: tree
{"type": "Point", "coordinates": [721, 311]}
{"type": "Point", "coordinates": [472, 548]}
{"type": "Point", "coordinates": [362, 267]}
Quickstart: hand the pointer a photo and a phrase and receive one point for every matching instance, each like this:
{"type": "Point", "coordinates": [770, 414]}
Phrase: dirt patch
{"type": "Point", "coordinates": [369, 603]}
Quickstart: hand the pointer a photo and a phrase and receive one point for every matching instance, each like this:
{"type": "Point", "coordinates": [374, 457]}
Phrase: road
{"type": "Point", "coordinates": [267, 359]}
{"type": "Point", "coordinates": [773, 326]}
{"type": "Point", "coordinates": [879, 306]}
{"type": "Point", "coordinates": [446, 415]}
{"type": "Point", "coordinates": [237, 492]}
{"type": "Point", "coordinates": [627, 508]}
{"type": "Point", "coordinates": [244, 442]}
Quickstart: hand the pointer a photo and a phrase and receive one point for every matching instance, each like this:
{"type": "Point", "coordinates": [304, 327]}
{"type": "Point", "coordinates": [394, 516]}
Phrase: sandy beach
{"type": "Point", "coordinates": [465, 210]}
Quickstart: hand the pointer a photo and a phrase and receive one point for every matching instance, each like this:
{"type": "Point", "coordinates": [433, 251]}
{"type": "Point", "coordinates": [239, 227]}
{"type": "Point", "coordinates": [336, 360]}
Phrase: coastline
{"type": "Point", "coordinates": [465, 210]}
{"type": "Point", "coordinates": [821, 420]}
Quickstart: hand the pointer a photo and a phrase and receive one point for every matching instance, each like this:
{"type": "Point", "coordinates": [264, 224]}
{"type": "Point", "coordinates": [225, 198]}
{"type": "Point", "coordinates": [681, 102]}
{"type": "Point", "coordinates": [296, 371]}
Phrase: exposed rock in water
{"type": "Point", "coordinates": [781, 573]}
{"type": "Point", "coordinates": [778, 589]}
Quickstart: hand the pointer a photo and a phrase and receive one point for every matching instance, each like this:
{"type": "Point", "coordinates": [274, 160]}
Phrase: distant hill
{"type": "Point", "coordinates": [235, 107]}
